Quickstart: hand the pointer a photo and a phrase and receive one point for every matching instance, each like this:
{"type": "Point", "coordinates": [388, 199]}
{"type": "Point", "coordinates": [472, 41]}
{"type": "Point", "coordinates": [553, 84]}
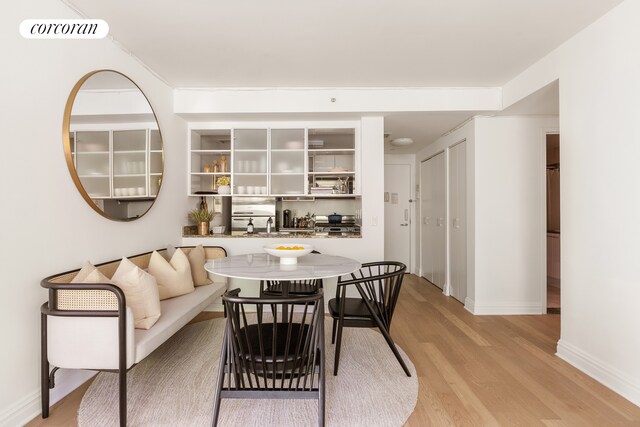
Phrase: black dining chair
{"type": "Point", "coordinates": [263, 358]}
{"type": "Point", "coordinates": [295, 287]}
{"type": "Point", "coordinates": [378, 284]}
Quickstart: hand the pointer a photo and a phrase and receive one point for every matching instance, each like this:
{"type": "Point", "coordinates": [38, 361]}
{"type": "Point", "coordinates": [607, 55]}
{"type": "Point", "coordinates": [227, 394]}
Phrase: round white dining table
{"type": "Point", "coordinates": [262, 266]}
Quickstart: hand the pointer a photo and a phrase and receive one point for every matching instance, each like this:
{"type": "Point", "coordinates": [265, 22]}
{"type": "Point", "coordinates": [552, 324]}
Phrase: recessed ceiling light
{"type": "Point", "coordinates": [401, 142]}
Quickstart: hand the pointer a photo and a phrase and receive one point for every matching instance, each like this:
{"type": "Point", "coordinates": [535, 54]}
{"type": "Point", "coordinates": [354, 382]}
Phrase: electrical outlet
{"type": "Point", "coordinates": [374, 221]}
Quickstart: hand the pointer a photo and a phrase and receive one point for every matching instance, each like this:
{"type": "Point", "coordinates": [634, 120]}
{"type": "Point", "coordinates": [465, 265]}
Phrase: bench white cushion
{"type": "Point", "coordinates": [176, 312]}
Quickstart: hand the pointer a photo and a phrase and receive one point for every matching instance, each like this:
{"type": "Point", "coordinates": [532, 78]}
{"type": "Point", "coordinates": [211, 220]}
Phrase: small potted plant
{"type": "Point", "coordinates": [202, 217]}
{"type": "Point", "coordinates": [224, 185]}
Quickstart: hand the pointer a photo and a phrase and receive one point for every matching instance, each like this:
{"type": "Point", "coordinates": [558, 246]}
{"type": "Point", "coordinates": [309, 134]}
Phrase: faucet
{"type": "Point", "coordinates": [269, 225]}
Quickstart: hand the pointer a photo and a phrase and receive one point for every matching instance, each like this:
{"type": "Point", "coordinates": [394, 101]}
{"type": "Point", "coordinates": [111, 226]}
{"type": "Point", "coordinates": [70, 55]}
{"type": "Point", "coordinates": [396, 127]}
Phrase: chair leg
{"type": "Point", "coordinates": [123, 397]}
{"type": "Point", "coordinates": [333, 332]}
{"type": "Point", "coordinates": [44, 367]}
{"type": "Point", "coordinates": [220, 379]}
{"type": "Point", "coordinates": [394, 349]}
{"type": "Point", "coordinates": [338, 344]}
{"type": "Point", "coordinates": [322, 376]}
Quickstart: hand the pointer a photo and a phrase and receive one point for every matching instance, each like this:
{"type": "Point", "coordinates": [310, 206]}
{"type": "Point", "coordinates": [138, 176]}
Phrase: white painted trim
{"type": "Point", "coordinates": [470, 305]}
{"type": "Point", "coordinates": [24, 410]}
{"type": "Point", "coordinates": [502, 308]}
{"type": "Point", "coordinates": [599, 370]}
{"type": "Point", "coordinates": [335, 100]}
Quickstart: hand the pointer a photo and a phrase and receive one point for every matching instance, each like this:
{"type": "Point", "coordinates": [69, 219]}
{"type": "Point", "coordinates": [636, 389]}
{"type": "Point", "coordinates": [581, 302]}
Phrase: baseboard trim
{"type": "Point", "coordinates": [28, 408]}
{"type": "Point", "coordinates": [502, 308]}
{"type": "Point", "coordinates": [470, 305]}
{"type": "Point", "coordinates": [22, 411]}
{"type": "Point", "coordinates": [605, 374]}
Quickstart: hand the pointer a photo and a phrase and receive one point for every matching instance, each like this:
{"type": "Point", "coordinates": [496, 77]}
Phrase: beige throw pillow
{"type": "Point", "coordinates": [100, 300]}
{"type": "Point", "coordinates": [173, 277]}
{"type": "Point", "coordinates": [197, 259]}
{"type": "Point", "coordinates": [141, 292]}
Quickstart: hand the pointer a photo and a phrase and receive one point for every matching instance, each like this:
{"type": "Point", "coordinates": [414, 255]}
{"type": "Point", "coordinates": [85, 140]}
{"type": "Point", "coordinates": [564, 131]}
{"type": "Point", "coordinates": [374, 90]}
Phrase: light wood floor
{"type": "Point", "coordinates": [476, 370]}
{"type": "Point", "coordinates": [553, 296]}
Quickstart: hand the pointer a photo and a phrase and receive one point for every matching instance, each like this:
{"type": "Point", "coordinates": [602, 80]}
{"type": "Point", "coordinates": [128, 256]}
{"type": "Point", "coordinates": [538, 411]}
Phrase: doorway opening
{"type": "Point", "coordinates": [553, 222]}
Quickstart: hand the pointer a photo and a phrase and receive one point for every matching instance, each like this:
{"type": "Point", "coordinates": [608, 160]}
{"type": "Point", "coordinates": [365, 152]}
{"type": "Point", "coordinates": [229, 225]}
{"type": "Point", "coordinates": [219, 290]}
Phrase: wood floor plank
{"type": "Point", "coordinates": [474, 370]}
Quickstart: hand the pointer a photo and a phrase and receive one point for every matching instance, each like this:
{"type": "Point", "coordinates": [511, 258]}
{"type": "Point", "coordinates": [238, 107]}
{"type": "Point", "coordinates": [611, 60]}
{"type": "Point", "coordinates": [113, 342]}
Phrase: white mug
{"type": "Point", "coordinates": [254, 166]}
{"type": "Point", "coordinates": [263, 189]}
{"type": "Point", "coordinates": [118, 191]}
{"type": "Point", "coordinates": [131, 191]}
{"type": "Point", "coordinates": [241, 189]}
{"type": "Point", "coordinates": [250, 189]}
{"type": "Point", "coordinates": [140, 191]}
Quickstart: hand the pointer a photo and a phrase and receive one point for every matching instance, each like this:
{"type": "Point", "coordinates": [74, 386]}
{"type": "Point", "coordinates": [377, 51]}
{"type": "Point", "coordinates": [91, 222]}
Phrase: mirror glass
{"type": "Point", "coordinates": [113, 145]}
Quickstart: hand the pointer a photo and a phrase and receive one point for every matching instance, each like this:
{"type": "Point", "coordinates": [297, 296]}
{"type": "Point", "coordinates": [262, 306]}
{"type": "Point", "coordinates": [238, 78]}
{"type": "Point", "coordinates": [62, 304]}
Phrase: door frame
{"type": "Point", "coordinates": [408, 160]}
{"type": "Point", "coordinates": [542, 167]}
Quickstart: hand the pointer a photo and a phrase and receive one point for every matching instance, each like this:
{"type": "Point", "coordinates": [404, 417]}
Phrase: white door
{"type": "Point", "coordinates": [440, 225]}
{"type": "Point", "coordinates": [426, 221]}
{"type": "Point", "coordinates": [433, 223]}
{"type": "Point", "coordinates": [397, 214]}
{"type": "Point", "coordinates": [458, 222]}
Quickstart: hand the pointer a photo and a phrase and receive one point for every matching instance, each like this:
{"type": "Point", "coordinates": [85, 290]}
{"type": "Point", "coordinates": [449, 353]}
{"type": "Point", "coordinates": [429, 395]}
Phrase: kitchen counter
{"type": "Point", "coordinates": [288, 235]}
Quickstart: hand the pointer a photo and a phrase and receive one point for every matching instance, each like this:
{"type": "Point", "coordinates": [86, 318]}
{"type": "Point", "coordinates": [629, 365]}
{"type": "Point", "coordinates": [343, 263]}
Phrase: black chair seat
{"type": "Point", "coordinates": [354, 309]}
{"type": "Point", "coordinates": [253, 334]}
{"type": "Point", "coordinates": [295, 288]}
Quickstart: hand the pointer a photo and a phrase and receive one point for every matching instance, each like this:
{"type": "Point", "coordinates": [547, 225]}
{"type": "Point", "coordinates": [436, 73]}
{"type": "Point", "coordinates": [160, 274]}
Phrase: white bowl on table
{"type": "Point", "coordinates": [288, 256]}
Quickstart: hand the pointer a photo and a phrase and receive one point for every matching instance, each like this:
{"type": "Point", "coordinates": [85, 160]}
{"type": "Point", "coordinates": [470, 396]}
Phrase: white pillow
{"type": "Point", "coordinates": [173, 277]}
{"type": "Point", "coordinates": [141, 292]}
{"type": "Point", "coordinates": [87, 268]}
{"type": "Point", "coordinates": [197, 258]}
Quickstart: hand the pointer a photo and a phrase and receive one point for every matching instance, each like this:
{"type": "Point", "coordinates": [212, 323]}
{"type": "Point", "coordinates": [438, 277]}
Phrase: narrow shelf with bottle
{"type": "Point", "coordinates": [332, 162]}
{"type": "Point", "coordinates": [209, 159]}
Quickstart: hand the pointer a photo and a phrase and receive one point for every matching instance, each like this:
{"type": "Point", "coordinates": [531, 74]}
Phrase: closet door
{"type": "Point", "coordinates": [426, 223]}
{"type": "Point", "coordinates": [440, 223]}
{"type": "Point", "coordinates": [433, 210]}
{"type": "Point", "coordinates": [458, 222]}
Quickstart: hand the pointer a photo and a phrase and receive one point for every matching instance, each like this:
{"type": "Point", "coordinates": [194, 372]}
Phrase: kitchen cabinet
{"type": "Point", "coordinates": [125, 163]}
{"type": "Point", "coordinates": [288, 162]}
{"type": "Point", "coordinates": [275, 161]}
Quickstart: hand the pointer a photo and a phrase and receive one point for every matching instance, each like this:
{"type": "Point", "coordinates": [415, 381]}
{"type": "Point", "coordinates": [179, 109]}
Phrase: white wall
{"type": "Point", "coordinates": [505, 211]}
{"type": "Point", "coordinates": [46, 227]}
{"type": "Point", "coordinates": [599, 72]}
{"type": "Point", "coordinates": [510, 221]}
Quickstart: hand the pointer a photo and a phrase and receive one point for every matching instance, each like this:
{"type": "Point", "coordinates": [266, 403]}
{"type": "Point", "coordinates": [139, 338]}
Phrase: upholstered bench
{"type": "Point", "coordinates": [89, 326]}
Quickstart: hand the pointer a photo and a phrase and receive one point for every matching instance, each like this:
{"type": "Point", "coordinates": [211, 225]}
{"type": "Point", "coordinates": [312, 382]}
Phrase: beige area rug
{"type": "Point", "coordinates": [174, 386]}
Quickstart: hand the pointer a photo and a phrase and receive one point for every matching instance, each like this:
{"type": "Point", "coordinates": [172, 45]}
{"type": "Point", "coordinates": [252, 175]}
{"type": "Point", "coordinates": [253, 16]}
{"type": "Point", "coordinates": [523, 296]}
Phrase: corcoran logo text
{"type": "Point", "coordinates": [64, 28]}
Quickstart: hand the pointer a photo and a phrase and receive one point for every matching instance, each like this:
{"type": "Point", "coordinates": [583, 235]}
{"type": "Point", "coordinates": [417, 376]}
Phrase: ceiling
{"type": "Point", "coordinates": [337, 43]}
{"type": "Point", "coordinates": [356, 43]}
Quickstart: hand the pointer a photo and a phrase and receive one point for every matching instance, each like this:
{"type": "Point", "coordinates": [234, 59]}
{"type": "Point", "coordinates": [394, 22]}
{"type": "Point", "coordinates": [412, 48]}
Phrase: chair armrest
{"type": "Point", "coordinates": [89, 339]}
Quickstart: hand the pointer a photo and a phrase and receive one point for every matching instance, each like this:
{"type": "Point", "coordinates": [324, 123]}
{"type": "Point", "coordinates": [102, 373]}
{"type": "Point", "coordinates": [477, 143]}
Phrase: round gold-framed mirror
{"type": "Point", "coordinates": [113, 145]}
